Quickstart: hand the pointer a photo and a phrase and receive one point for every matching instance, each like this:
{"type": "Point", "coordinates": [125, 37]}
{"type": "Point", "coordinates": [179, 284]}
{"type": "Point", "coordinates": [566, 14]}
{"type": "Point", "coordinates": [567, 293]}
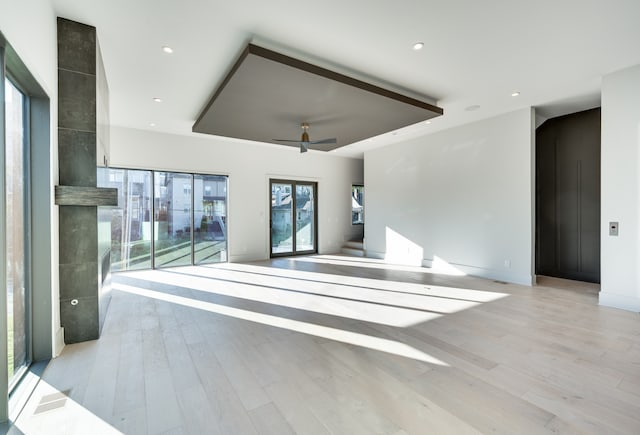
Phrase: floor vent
{"type": "Point", "coordinates": [51, 402]}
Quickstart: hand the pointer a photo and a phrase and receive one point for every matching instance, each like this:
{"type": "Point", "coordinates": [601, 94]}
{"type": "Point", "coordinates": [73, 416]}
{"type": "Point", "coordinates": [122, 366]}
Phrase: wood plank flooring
{"type": "Point", "coordinates": [341, 345]}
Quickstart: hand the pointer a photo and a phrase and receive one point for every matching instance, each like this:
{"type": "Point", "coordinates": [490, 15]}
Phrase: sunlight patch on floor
{"type": "Point", "coordinates": [55, 413]}
{"type": "Point", "coordinates": [338, 260]}
{"type": "Point", "coordinates": [393, 306]}
{"type": "Point", "coordinates": [416, 288]}
{"type": "Point", "coordinates": [236, 286]}
{"type": "Point", "coordinates": [354, 338]}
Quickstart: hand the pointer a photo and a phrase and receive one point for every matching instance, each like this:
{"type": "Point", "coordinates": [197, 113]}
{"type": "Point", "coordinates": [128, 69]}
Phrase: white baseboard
{"type": "Point", "coordinates": [506, 275]}
{"type": "Point", "coordinates": [373, 254]}
{"type": "Point", "coordinates": [58, 342]}
{"type": "Point", "coordinates": [613, 300]}
{"type": "Point", "coordinates": [246, 258]}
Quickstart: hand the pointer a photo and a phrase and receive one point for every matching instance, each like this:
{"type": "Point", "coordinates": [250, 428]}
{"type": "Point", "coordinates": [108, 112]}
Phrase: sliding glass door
{"type": "Point", "coordinates": [130, 223]}
{"type": "Point", "coordinates": [281, 221]}
{"type": "Point", "coordinates": [209, 219]}
{"type": "Point", "coordinates": [293, 217]}
{"type": "Point", "coordinates": [172, 221]}
{"type": "Point", "coordinates": [165, 219]}
{"type": "Point", "coordinates": [17, 225]}
{"type": "Point", "coordinates": [305, 218]}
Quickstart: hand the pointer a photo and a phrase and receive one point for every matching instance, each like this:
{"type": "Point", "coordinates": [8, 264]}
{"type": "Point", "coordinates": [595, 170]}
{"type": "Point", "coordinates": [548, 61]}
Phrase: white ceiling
{"type": "Point", "coordinates": [554, 52]}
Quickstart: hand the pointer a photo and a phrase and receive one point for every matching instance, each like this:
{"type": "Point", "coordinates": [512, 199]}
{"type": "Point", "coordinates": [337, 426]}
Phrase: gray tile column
{"type": "Point", "coordinates": [80, 285]}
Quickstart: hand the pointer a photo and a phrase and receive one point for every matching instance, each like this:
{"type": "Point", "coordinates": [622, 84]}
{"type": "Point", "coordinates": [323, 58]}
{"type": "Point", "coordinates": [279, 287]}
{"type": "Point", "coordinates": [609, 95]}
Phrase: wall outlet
{"type": "Point", "coordinates": [614, 228]}
{"type": "Point", "coordinates": [507, 264]}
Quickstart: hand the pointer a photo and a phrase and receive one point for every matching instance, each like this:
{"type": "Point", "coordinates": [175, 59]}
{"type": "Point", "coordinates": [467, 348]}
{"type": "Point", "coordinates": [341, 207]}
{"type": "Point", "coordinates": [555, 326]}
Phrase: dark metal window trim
{"type": "Point", "coordinates": [37, 126]}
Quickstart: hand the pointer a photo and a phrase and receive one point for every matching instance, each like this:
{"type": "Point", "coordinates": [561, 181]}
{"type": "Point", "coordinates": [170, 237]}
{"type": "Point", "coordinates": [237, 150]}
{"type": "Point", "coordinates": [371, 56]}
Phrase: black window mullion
{"type": "Point", "coordinates": [152, 219]}
{"type": "Point", "coordinates": [192, 218]}
{"type": "Point", "coordinates": [294, 218]}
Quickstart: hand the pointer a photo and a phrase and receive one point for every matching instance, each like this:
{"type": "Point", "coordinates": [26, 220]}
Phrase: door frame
{"type": "Point", "coordinates": [558, 131]}
{"type": "Point", "coordinates": [293, 184]}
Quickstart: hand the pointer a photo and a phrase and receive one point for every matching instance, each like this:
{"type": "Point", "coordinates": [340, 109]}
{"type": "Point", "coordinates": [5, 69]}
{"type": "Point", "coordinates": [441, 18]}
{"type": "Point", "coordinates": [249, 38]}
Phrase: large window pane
{"type": "Point", "coordinates": [281, 218]}
{"type": "Point", "coordinates": [210, 218]}
{"type": "Point", "coordinates": [16, 221]}
{"type": "Point", "coordinates": [130, 222]}
{"type": "Point", "coordinates": [305, 225]}
{"type": "Point", "coordinates": [172, 220]}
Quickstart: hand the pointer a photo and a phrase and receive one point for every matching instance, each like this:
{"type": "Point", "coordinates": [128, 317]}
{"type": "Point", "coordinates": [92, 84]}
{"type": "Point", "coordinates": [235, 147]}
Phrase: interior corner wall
{"type": "Point", "coordinates": [249, 167]}
{"type": "Point", "coordinates": [30, 27]}
{"type": "Point", "coordinates": [462, 197]}
{"type": "Point", "coordinates": [620, 255]}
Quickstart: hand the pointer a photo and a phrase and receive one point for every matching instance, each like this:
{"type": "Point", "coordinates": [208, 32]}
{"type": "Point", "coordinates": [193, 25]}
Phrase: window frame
{"type": "Point", "coordinates": [354, 186]}
{"type": "Point", "coordinates": [38, 211]}
{"type": "Point", "coordinates": [157, 177]}
{"type": "Point", "coordinates": [27, 219]}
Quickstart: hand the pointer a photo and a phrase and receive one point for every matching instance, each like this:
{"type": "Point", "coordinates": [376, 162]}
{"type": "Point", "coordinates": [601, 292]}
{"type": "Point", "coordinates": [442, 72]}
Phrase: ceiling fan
{"type": "Point", "coordinates": [304, 140]}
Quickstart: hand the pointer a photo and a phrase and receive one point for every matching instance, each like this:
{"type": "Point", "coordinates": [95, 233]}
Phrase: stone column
{"type": "Point", "coordinates": [77, 195]}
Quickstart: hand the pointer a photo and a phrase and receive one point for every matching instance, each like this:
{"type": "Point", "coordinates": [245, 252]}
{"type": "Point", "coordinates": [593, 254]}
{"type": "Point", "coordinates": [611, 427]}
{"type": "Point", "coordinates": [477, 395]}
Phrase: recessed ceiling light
{"type": "Point", "coordinates": [515, 94]}
{"type": "Point", "coordinates": [157, 100]}
{"type": "Point", "coordinates": [418, 46]}
{"type": "Point", "coordinates": [472, 108]}
{"type": "Point", "coordinates": [167, 49]}
{"type": "Point", "coordinates": [152, 124]}
{"type": "Point", "coordinates": [427, 122]}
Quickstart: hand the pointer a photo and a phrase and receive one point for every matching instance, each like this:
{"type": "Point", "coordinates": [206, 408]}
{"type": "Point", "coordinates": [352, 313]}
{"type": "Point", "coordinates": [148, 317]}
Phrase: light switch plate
{"type": "Point", "coordinates": [614, 227]}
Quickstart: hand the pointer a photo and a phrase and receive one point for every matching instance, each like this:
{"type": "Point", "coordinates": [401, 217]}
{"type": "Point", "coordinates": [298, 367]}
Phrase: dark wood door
{"type": "Point", "coordinates": [568, 197]}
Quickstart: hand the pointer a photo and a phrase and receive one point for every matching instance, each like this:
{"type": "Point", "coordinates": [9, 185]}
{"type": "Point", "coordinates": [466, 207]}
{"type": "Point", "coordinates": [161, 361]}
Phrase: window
{"type": "Point", "coordinates": [357, 204]}
{"type": "Point", "coordinates": [209, 219]}
{"type": "Point", "coordinates": [25, 222]}
{"type": "Point", "coordinates": [165, 219]}
{"type": "Point", "coordinates": [129, 224]}
{"type": "Point", "coordinates": [172, 220]}
{"type": "Point", "coordinates": [293, 217]}
{"type": "Point", "coordinates": [16, 227]}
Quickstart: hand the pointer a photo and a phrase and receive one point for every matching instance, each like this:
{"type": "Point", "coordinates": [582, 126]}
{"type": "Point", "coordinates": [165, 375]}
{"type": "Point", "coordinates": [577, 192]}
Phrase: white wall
{"type": "Point", "coordinates": [620, 256]}
{"type": "Point", "coordinates": [462, 195]}
{"type": "Point", "coordinates": [249, 167]}
{"type": "Point", "coordinates": [30, 27]}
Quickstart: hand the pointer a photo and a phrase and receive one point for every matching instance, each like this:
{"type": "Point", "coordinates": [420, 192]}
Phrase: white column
{"type": "Point", "coordinates": [620, 255]}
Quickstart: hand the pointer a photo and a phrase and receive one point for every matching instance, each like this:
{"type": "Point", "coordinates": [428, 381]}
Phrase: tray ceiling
{"type": "Point", "coordinates": [268, 95]}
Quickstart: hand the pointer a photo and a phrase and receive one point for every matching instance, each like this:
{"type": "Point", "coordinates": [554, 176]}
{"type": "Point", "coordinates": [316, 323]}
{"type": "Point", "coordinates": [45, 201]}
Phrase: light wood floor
{"type": "Point", "coordinates": [342, 345]}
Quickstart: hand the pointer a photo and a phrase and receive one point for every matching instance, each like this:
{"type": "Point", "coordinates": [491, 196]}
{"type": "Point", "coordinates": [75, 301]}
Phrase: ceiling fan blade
{"type": "Point", "coordinates": [286, 140]}
{"type": "Point", "coordinates": [304, 147]}
{"type": "Point", "coordinates": [323, 141]}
